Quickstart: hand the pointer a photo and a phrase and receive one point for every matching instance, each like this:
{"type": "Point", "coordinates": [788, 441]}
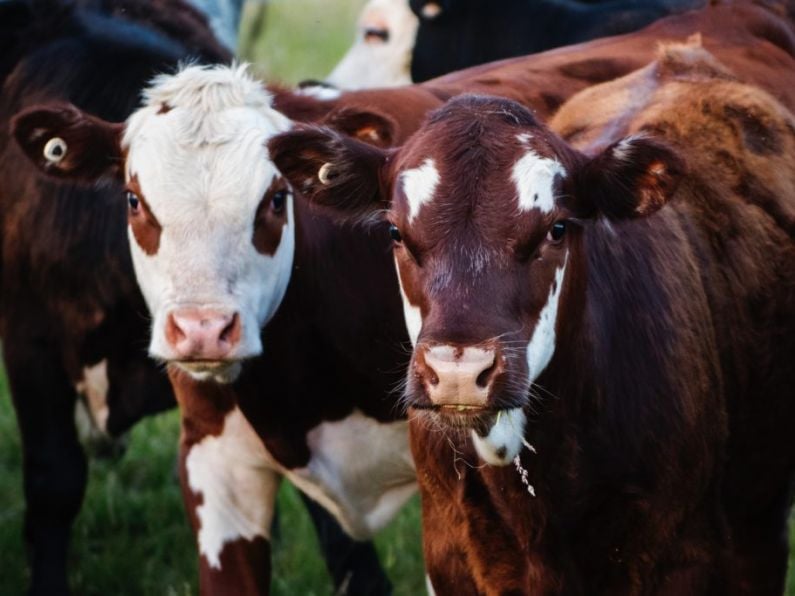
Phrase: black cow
{"type": "Point", "coordinates": [455, 34]}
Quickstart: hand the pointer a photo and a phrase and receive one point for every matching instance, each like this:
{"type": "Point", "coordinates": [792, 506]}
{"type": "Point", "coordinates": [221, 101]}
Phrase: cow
{"type": "Point", "coordinates": [236, 384]}
{"type": "Point", "coordinates": [456, 34]}
{"type": "Point", "coordinates": [70, 304]}
{"type": "Point", "coordinates": [381, 53]}
{"type": "Point", "coordinates": [603, 329]}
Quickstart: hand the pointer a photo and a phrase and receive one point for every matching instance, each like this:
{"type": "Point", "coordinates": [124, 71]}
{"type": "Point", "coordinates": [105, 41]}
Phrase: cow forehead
{"type": "Point", "coordinates": [182, 182]}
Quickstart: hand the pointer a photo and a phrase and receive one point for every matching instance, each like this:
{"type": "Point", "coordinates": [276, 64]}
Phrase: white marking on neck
{"type": "Point", "coordinates": [505, 439]}
{"type": "Point", "coordinates": [411, 314]}
{"type": "Point", "coordinates": [236, 478]}
{"type": "Point", "coordinates": [429, 586]}
{"type": "Point", "coordinates": [419, 184]}
{"type": "Point", "coordinates": [542, 343]}
{"type": "Point", "coordinates": [534, 177]}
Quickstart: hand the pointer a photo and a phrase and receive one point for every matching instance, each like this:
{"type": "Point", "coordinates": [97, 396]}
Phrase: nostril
{"type": "Point", "coordinates": [174, 333]}
{"type": "Point", "coordinates": [231, 333]}
{"type": "Point", "coordinates": [484, 378]}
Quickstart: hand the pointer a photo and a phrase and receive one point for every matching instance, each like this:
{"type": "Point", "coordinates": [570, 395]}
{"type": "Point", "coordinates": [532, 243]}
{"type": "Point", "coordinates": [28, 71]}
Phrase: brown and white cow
{"type": "Point", "coordinates": [603, 333]}
{"type": "Point", "coordinates": [326, 355]}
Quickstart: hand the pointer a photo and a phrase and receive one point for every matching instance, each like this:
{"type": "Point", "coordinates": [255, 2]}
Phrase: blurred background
{"type": "Point", "coordinates": [132, 536]}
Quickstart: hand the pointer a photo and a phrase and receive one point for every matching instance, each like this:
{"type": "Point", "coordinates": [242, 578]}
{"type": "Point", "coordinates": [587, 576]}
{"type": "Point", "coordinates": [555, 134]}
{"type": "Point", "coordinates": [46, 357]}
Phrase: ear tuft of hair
{"type": "Point", "coordinates": [332, 170]}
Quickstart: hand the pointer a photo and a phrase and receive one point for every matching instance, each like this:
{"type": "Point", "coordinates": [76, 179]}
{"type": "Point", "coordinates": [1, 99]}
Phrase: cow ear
{"type": "Point", "coordinates": [365, 125]}
{"type": "Point", "coordinates": [64, 142]}
{"type": "Point", "coordinates": [631, 178]}
{"type": "Point", "coordinates": [332, 170]}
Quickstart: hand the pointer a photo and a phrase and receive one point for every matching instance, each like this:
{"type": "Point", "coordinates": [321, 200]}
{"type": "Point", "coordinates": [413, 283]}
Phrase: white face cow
{"type": "Point", "coordinates": [211, 221]}
{"type": "Point", "coordinates": [381, 54]}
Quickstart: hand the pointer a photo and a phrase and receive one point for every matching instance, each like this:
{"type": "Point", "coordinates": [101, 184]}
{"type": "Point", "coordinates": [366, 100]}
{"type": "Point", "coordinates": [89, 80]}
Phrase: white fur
{"type": "Point", "coordinates": [419, 184]}
{"type": "Point", "coordinates": [506, 435]}
{"type": "Point", "coordinates": [429, 586]}
{"type": "Point", "coordinates": [236, 479]}
{"type": "Point", "coordinates": [534, 177]}
{"type": "Point", "coordinates": [94, 386]}
{"type": "Point", "coordinates": [203, 168]}
{"type": "Point", "coordinates": [377, 63]}
{"type": "Point", "coordinates": [411, 314]}
{"type": "Point", "coordinates": [360, 470]}
{"type": "Point", "coordinates": [542, 344]}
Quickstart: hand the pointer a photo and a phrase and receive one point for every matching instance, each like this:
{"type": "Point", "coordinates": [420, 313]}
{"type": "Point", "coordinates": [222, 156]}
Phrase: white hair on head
{"type": "Point", "coordinates": [198, 96]}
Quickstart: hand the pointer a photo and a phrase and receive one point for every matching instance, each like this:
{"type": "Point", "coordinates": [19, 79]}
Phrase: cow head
{"type": "Point", "coordinates": [487, 210]}
{"type": "Point", "coordinates": [211, 223]}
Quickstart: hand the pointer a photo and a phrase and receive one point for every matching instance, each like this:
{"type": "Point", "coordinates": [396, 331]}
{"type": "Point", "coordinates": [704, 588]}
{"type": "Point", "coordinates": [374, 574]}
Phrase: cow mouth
{"type": "Point", "coordinates": [222, 371]}
{"type": "Point", "coordinates": [462, 416]}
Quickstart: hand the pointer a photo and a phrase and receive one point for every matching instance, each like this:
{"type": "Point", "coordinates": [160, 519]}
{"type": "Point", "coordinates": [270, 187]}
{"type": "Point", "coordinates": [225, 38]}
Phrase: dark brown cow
{"type": "Point", "coordinates": [193, 253]}
{"type": "Point", "coordinates": [604, 333]}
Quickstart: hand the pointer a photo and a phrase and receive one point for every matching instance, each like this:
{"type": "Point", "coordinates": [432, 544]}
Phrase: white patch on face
{"type": "Point", "coordinates": [504, 440]}
{"type": "Point", "coordinates": [419, 184]}
{"type": "Point", "coordinates": [236, 478]}
{"type": "Point", "coordinates": [542, 343]}
{"type": "Point", "coordinates": [534, 177]}
{"type": "Point", "coordinates": [203, 168]}
{"type": "Point", "coordinates": [361, 470]}
{"type": "Point", "coordinates": [94, 387]}
{"type": "Point", "coordinates": [411, 314]}
{"type": "Point", "coordinates": [374, 62]}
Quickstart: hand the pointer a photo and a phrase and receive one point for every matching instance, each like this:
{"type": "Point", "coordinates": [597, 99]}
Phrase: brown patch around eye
{"type": "Point", "coordinates": [271, 218]}
{"type": "Point", "coordinates": [145, 227]}
{"type": "Point", "coordinates": [164, 108]}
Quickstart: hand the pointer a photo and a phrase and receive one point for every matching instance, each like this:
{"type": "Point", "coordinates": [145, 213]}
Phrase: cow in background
{"type": "Point", "coordinates": [456, 34]}
{"type": "Point", "coordinates": [381, 53]}
{"type": "Point", "coordinates": [71, 316]}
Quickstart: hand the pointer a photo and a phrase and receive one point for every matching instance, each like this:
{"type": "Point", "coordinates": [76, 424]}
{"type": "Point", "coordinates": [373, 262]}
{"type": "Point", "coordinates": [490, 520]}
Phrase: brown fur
{"type": "Point", "coordinates": [662, 423]}
{"type": "Point", "coordinates": [269, 223]}
{"type": "Point", "coordinates": [144, 225]}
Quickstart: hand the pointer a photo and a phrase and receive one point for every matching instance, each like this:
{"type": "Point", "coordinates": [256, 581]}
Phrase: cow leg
{"type": "Point", "coordinates": [229, 486]}
{"type": "Point", "coordinates": [54, 468]}
{"type": "Point", "coordinates": [353, 565]}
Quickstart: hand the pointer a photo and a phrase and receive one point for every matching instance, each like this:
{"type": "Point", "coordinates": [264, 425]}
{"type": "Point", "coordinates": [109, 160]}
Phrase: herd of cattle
{"type": "Point", "coordinates": [556, 293]}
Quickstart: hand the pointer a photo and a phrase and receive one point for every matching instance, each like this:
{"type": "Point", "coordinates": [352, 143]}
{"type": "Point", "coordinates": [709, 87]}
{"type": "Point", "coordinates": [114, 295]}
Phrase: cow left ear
{"type": "Point", "coordinates": [65, 142]}
{"type": "Point", "coordinates": [634, 177]}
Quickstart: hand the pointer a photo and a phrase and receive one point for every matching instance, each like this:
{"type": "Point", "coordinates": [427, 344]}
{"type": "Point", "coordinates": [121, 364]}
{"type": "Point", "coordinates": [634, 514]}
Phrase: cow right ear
{"type": "Point", "coordinates": [65, 142]}
{"type": "Point", "coordinates": [333, 170]}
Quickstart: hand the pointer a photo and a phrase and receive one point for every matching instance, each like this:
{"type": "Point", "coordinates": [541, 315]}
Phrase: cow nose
{"type": "Point", "coordinates": [201, 334]}
{"type": "Point", "coordinates": [455, 375]}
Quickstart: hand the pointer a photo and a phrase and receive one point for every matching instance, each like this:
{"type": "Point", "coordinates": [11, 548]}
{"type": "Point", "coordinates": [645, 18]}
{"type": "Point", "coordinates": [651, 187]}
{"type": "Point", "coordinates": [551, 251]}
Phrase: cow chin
{"type": "Point", "coordinates": [220, 372]}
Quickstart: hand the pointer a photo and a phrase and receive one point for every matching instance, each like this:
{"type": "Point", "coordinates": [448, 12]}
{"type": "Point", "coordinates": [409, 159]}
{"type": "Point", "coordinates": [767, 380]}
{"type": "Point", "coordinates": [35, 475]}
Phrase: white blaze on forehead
{"type": "Point", "coordinates": [534, 177]}
{"type": "Point", "coordinates": [542, 343]}
{"type": "Point", "coordinates": [504, 440]}
{"type": "Point", "coordinates": [198, 150]}
{"type": "Point", "coordinates": [419, 184]}
{"type": "Point", "coordinates": [236, 479]}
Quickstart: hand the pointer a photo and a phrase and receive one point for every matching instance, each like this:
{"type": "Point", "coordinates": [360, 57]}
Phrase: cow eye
{"type": "Point", "coordinates": [394, 233]}
{"type": "Point", "coordinates": [278, 201]}
{"type": "Point", "coordinates": [557, 231]}
{"type": "Point", "coordinates": [133, 201]}
{"type": "Point", "coordinates": [375, 35]}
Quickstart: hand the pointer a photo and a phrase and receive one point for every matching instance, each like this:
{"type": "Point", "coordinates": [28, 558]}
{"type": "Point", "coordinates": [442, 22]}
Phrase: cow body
{"type": "Point", "coordinates": [600, 380]}
{"type": "Point", "coordinates": [448, 28]}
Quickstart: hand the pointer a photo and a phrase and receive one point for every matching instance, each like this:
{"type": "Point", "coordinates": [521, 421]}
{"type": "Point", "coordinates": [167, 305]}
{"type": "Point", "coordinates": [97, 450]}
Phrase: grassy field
{"type": "Point", "coordinates": [132, 536]}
